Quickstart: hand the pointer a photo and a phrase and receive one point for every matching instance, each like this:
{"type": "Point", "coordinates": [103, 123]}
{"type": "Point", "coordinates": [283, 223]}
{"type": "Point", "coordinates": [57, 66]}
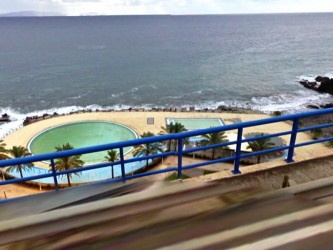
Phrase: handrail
{"type": "Point", "coordinates": [179, 151]}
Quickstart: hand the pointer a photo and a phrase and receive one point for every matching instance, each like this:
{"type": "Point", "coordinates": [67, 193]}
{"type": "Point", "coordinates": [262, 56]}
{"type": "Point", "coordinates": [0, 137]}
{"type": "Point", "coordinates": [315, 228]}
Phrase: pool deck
{"type": "Point", "coordinates": [138, 122]}
{"type": "Point", "coordinates": [135, 120]}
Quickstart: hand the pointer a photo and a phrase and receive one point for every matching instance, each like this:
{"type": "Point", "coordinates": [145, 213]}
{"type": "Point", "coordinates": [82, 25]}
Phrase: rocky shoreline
{"type": "Point", "coordinates": [321, 84]}
{"type": "Point", "coordinates": [32, 119]}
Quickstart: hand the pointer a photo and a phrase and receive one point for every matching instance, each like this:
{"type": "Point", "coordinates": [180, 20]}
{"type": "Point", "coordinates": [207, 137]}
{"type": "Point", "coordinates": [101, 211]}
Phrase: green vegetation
{"type": "Point", "coordinates": [316, 133]}
{"type": "Point", "coordinates": [66, 163]}
{"type": "Point", "coordinates": [330, 144]}
{"type": "Point", "coordinates": [174, 176]}
{"type": "Point", "coordinates": [19, 152]}
{"type": "Point", "coordinates": [3, 150]}
{"type": "Point", "coordinates": [212, 139]}
{"type": "Point", "coordinates": [173, 129]}
{"type": "Point", "coordinates": [260, 144]}
{"type": "Point", "coordinates": [149, 148]}
{"type": "Point", "coordinates": [209, 172]}
{"type": "Point", "coordinates": [277, 113]}
{"type": "Point", "coordinates": [112, 156]}
{"type": "Point", "coordinates": [300, 123]}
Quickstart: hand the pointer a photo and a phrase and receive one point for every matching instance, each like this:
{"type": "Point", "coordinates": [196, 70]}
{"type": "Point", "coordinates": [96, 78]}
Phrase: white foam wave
{"type": "Point", "coordinates": [310, 78]}
{"type": "Point", "coordinates": [290, 102]}
{"type": "Point", "coordinates": [330, 75]}
{"type": "Point", "coordinates": [76, 97]}
{"type": "Point", "coordinates": [17, 118]}
{"type": "Point", "coordinates": [172, 97]}
{"type": "Point", "coordinates": [133, 90]}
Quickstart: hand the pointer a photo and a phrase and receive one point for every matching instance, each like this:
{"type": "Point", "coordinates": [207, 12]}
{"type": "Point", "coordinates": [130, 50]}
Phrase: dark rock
{"type": "Point", "coordinates": [309, 85]}
{"type": "Point", "coordinates": [326, 106]}
{"type": "Point", "coordinates": [326, 86]}
{"type": "Point", "coordinates": [4, 118]}
{"type": "Point", "coordinates": [323, 84]}
{"type": "Point", "coordinates": [321, 78]}
{"type": "Point", "coordinates": [312, 106]}
{"type": "Point", "coordinates": [224, 108]}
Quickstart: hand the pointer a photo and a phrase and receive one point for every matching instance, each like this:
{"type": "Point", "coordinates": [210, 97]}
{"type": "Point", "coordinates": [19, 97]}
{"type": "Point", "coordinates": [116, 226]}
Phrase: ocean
{"type": "Point", "coordinates": [62, 64]}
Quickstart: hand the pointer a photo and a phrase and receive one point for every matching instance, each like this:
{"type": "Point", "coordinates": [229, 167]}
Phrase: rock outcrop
{"type": "Point", "coordinates": [321, 84]}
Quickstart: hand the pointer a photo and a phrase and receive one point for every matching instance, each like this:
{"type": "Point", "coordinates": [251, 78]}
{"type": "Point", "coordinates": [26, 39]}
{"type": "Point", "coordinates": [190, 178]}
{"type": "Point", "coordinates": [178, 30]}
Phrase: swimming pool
{"type": "Point", "coordinates": [81, 134]}
{"type": "Point", "coordinates": [196, 123]}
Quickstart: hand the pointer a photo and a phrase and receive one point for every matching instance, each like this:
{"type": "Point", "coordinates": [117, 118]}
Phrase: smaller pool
{"type": "Point", "coordinates": [196, 123]}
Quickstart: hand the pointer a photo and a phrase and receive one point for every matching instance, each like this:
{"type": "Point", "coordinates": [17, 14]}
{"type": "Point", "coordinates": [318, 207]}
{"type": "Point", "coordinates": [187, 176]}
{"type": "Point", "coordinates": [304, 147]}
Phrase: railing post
{"type": "Point", "coordinates": [238, 151]}
{"type": "Point", "coordinates": [180, 157]}
{"type": "Point", "coordinates": [292, 141]}
{"type": "Point", "coordinates": [122, 164]}
{"type": "Point", "coordinates": [54, 171]}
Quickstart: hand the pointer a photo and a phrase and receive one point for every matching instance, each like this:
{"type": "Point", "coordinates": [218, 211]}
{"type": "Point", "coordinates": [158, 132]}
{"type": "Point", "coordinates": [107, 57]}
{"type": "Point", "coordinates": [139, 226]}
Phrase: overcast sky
{"type": "Point", "coordinates": [125, 7]}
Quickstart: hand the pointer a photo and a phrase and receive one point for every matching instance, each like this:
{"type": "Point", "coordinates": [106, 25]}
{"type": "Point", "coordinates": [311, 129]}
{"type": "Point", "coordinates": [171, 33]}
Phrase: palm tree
{"type": "Point", "coordinates": [112, 156]}
{"type": "Point", "coordinates": [148, 148]}
{"type": "Point", "coordinates": [3, 151]}
{"type": "Point", "coordinates": [214, 138]}
{"type": "Point", "coordinates": [69, 162]}
{"type": "Point", "coordinates": [172, 128]}
{"type": "Point", "coordinates": [330, 144]}
{"type": "Point", "coordinates": [316, 133]}
{"type": "Point", "coordinates": [260, 144]}
{"type": "Point", "coordinates": [19, 152]}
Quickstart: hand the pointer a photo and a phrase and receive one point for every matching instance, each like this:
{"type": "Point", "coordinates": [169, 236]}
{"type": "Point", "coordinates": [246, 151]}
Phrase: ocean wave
{"type": "Point", "coordinates": [310, 78]}
{"type": "Point", "coordinates": [76, 97]}
{"type": "Point", "coordinates": [287, 102]}
{"type": "Point", "coordinates": [172, 97]}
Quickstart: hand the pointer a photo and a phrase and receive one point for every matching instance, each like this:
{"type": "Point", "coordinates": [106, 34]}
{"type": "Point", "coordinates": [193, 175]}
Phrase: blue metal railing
{"type": "Point", "coordinates": [179, 151]}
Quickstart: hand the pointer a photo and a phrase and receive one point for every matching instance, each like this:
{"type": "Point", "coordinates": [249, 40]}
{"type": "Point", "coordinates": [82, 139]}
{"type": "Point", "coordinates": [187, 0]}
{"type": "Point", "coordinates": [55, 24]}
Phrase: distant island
{"type": "Point", "coordinates": [30, 14]}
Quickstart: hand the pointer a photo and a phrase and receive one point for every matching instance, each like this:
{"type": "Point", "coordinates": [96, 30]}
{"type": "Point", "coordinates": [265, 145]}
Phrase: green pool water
{"type": "Point", "coordinates": [82, 134]}
{"type": "Point", "coordinates": [197, 123]}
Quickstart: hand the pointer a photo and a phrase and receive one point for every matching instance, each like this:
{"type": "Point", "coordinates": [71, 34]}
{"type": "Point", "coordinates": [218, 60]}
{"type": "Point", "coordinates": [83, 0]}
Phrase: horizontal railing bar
{"type": "Point", "coordinates": [160, 171]}
{"type": "Point", "coordinates": [326, 125]}
{"type": "Point", "coordinates": [29, 178]}
{"type": "Point", "coordinates": [200, 148]}
{"type": "Point", "coordinates": [205, 163]}
{"type": "Point", "coordinates": [314, 142]}
{"type": "Point", "coordinates": [234, 142]}
{"type": "Point", "coordinates": [272, 150]}
{"type": "Point", "coordinates": [265, 136]}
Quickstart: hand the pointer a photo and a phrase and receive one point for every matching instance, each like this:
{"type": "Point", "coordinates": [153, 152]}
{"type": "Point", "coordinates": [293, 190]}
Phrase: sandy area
{"type": "Point", "coordinates": [138, 122]}
{"type": "Point", "coordinates": [135, 120]}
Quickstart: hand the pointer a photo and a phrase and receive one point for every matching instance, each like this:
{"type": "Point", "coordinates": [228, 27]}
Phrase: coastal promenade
{"type": "Point", "coordinates": [138, 122]}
